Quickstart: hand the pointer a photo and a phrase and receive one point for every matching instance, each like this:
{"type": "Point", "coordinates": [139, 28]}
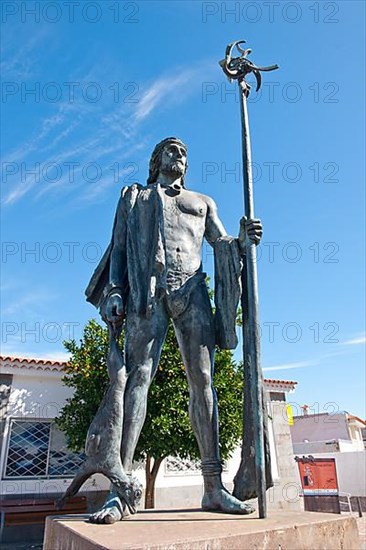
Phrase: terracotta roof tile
{"type": "Point", "coordinates": [353, 417]}
{"type": "Point", "coordinates": [282, 382]}
{"type": "Point", "coordinates": [32, 362]}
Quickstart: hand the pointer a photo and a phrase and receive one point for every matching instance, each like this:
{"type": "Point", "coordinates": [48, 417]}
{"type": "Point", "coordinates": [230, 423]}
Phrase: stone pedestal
{"type": "Point", "coordinates": [197, 530]}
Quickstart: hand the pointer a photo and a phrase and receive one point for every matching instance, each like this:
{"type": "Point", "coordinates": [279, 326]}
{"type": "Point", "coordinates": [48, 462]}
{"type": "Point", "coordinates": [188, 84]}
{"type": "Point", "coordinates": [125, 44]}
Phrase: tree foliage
{"type": "Point", "coordinates": [86, 372]}
{"type": "Point", "coordinates": [167, 430]}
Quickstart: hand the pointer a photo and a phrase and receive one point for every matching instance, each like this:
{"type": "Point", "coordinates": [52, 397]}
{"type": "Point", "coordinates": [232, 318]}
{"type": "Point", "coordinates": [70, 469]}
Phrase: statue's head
{"type": "Point", "coordinates": [169, 156]}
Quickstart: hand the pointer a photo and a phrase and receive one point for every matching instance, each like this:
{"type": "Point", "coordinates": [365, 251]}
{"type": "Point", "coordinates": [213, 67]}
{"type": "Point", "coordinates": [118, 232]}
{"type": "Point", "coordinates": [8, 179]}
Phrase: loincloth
{"type": "Point", "coordinates": [177, 299]}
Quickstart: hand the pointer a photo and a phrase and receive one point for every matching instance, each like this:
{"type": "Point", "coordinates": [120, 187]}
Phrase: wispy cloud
{"type": "Point", "coordinates": [19, 59]}
{"type": "Point", "coordinates": [357, 341]}
{"type": "Point", "coordinates": [164, 89]}
{"type": "Point", "coordinates": [97, 133]}
{"type": "Point", "coordinates": [338, 350]}
{"type": "Point", "coordinates": [26, 301]}
{"type": "Point", "coordinates": [289, 366]}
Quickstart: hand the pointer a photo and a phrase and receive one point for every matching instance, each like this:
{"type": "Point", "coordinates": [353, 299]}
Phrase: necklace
{"type": "Point", "coordinates": [175, 187]}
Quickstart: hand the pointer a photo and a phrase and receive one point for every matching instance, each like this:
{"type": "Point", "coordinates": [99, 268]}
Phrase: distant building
{"type": "Point", "coordinates": [325, 432]}
{"type": "Point", "coordinates": [338, 436]}
{"type": "Point", "coordinates": [35, 461]}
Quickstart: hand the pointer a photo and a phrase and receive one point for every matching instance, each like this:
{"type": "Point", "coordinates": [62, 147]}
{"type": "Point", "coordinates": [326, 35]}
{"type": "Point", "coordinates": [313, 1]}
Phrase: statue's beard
{"type": "Point", "coordinates": [174, 169]}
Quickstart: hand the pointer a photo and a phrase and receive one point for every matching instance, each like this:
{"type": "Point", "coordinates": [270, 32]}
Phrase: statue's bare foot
{"type": "Point", "coordinates": [222, 501]}
{"type": "Point", "coordinates": [111, 511]}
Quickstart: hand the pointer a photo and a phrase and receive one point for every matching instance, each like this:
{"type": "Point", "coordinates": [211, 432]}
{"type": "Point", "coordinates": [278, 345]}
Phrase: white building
{"type": "Point", "coordinates": [34, 459]}
{"type": "Point", "coordinates": [337, 436]}
{"type": "Point", "coordinates": [324, 432]}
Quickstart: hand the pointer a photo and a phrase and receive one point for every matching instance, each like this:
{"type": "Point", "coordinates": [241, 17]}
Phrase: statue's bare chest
{"type": "Point", "coordinates": [184, 205]}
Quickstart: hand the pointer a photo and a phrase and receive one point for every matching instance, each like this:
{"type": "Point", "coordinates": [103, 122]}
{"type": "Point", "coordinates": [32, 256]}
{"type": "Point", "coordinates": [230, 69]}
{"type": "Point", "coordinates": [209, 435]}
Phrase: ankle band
{"type": "Point", "coordinates": [211, 467]}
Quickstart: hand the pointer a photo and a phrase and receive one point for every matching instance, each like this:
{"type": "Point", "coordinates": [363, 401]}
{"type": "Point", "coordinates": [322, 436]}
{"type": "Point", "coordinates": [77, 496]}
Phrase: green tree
{"type": "Point", "coordinates": [167, 430]}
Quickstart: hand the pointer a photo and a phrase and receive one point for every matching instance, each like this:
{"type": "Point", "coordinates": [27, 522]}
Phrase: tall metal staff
{"type": "Point", "coordinates": [237, 68]}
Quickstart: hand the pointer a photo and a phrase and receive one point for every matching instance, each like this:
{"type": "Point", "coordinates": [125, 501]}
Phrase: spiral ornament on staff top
{"type": "Point", "coordinates": [236, 68]}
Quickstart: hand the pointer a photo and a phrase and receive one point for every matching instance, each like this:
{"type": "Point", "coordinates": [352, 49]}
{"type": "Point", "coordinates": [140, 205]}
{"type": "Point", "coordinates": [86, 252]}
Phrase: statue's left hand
{"type": "Point", "coordinates": [252, 229]}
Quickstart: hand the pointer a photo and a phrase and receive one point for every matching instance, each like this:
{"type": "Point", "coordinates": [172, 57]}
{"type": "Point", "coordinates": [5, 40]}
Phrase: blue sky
{"type": "Point", "coordinates": [87, 93]}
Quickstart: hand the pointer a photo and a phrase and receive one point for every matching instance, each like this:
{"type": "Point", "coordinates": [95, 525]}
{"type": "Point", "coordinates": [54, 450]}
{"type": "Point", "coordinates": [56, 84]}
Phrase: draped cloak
{"type": "Point", "coordinates": [142, 267]}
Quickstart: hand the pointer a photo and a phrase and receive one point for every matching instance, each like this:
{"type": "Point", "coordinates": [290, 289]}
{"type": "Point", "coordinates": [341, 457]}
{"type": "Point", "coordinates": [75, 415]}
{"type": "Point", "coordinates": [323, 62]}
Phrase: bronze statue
{"type": "Point", "coordinates": [152, 272]}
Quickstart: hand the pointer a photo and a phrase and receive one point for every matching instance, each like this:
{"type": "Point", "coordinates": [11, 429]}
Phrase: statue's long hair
{"type": "Point", "coordinates": [155, 161]}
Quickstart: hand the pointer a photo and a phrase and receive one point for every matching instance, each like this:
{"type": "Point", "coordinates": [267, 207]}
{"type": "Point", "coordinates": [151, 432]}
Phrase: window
{"type": "Point", "coordinates": [38, 449]}
{"type": "Point", "coordinates": [181, 466]}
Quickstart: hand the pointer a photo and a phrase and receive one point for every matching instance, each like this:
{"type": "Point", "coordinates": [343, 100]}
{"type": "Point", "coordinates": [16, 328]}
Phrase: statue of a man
{"type": "Point", "coordinates": [152, 272]}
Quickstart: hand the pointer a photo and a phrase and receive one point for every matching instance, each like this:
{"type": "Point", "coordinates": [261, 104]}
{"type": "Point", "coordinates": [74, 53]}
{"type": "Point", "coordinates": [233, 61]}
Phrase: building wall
{"type": "Point", "coordinates": [319, 427]}
{"type": "Point", "coordinates": [356, 436]}
{"type": "Point", "coordinates": [5, 389]}
{"type": "Point", "coordinates": [286, 491]}
{"type": "Point", "coordinates": [338, 445]}
{"type": "Point", "coordinates": [39, 395]}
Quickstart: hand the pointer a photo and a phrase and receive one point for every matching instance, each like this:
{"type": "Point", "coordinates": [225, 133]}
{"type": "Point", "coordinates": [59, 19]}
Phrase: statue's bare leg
{"type": "Point", "coordinates": [143, 342]}
{"type": "Point", "coordinates": [196, 336]}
